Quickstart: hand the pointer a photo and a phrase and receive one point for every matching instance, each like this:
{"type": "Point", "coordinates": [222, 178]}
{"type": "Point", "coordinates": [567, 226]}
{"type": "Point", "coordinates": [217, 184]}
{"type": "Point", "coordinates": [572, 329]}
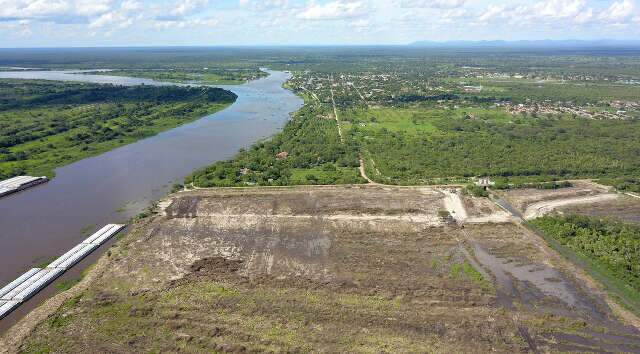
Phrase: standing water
{"type": "Point", "coordinates": [46, 221]}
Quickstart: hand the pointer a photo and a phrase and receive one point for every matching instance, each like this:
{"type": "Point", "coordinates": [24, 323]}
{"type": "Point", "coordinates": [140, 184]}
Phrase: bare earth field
{"type": "Point", "coordinates": [625, 208]}
{"type": "Point", "coordinates": [328, 269]}
{"type": "Point", "coordinates": [586, 198]}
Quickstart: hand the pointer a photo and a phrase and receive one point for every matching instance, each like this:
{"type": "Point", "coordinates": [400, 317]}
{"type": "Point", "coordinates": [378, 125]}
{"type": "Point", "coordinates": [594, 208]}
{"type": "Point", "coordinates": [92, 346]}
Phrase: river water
{"type": "Point", "coordinates": [46, 221]}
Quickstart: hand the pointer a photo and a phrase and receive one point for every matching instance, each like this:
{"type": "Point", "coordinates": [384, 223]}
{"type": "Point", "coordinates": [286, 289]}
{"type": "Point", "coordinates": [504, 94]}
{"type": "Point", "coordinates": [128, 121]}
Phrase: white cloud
{"type": "Point", "coordinates": [361, 23]}
{"type": "Point", "coordinates": [189, 7]}
{"type": "Point", "coordinates": [119, 18]}
{"type": "Point", "coordinates": [57, 11]}
{"type": "Point", "coordinates": [547, 12]}
{"type": "Point", "coordinates": [619, 11]}
{"type": "Point", "coordinates": [93, 7]}
{"type": "Point", "coordinates": [492, 11]}
{"type": "Point", "coordinates": [333, 10]}
{"type": "Point", "coordinates": [131, 5]}
{"type": "Point", "coordinates": [434, 4]}
{"type": "Point", "coordinates": [265, 5]}
{"type": "Point", "coordinates": [298, 21]}
{"type": "Point", "coordinates": [558, 8]}
{"type": "Point", "coordinates": [114, 20]}
{"type": "Point", "coordinates": [46, 8]}
{"type": "Point", "coordinates": [187, 23]}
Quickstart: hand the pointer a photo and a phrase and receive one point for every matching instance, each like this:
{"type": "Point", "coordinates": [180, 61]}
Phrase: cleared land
{"type": "Point", "coordinates": [583, 198]}
{"type": "Point", "coordinates": [329, 269]}
{"type": "Point", "coordinates": [625, 208]}
{"type": "Point", "coordinates": [534, 203]}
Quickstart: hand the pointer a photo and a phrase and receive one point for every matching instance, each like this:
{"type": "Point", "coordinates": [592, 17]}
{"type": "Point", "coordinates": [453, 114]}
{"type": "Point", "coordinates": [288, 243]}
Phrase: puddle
{"type": "Point", "coordinates": [533, 284]}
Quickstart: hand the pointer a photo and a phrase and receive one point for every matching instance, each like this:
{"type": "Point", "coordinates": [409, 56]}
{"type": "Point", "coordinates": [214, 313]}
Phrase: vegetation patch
{"type": "Point", "coordinates": [476, 191]}
{"type": "Point", "coordinates": [308, 151]}
{"type": "Point", "coordinates": [208, 76]}
{"type": "Point", "coordinates": [484, 146]}
{"type": "Point", "coordinates": [613, 245]}
{"type": "Point", "coordinates": [623, 184]}
{"type": "Point", "coordinates": [44, 125]}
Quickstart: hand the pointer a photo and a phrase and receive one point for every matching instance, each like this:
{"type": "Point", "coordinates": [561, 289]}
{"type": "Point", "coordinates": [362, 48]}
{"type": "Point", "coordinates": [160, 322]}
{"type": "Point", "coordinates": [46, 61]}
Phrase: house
{"type": "Point", "coordinates": [484, 182]}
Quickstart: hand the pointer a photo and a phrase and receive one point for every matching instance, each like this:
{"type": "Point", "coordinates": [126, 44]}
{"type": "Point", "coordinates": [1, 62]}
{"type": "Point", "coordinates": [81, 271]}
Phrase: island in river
{"type": "Point", "coordinates": [205, 76]}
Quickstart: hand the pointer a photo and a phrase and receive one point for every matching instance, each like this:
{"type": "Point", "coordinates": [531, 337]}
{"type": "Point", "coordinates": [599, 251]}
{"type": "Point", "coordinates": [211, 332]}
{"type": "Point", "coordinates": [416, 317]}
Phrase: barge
{"type": "Point", "coordinates": [36, 279]}
{"type": "Point", "coordinates": [19, 183]}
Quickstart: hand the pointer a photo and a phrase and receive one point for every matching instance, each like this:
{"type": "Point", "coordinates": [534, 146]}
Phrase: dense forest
{"type": "Point", "coordinates": [420, 145]}
{"type": "Point", "coordinates": [48, 124]}
{"type": "Point", "coordinates": [614, 245]}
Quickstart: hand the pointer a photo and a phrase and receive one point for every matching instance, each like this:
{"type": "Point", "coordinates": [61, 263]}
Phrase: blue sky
{"type": "Point", "coordinates": [35, 23]}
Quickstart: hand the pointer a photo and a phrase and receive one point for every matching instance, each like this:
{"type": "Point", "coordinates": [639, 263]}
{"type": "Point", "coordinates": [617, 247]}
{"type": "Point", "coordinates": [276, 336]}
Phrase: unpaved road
{"type": "Point", "coordinates": [453, 204]}
{"type": "Point", "coordinates": [335, 114]}
{"type": "Point", "coordinates": [633, 195]}
{"type": "Point", "coordinates": [363, 172]}
{"type": "Point", "coordinates": [542, 208]}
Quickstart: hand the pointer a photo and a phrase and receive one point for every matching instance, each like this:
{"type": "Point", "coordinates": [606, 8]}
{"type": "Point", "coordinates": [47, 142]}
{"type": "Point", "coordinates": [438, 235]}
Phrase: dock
{"type": "Point", "coordinates": [36, 279]}
{"type": "Point", "coordinates": [19, 183]}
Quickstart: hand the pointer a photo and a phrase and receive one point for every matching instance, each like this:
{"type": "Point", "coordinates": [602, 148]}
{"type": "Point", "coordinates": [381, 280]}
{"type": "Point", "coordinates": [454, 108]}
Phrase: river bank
{"type": "Point", "coordinates": [113, 187]}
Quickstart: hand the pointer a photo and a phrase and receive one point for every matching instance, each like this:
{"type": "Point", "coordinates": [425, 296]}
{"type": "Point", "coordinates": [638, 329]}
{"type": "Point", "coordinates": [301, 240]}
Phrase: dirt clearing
{"type": "Point", "coordinates": [581, 198]}
{"type": "Point", "coordinates": [625, 208]}
{"type": "Point", "coordinates": [330, 269]}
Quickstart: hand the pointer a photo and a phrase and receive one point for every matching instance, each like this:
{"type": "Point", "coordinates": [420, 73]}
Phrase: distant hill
{"type": "Point", "coordinates": [606, 43]}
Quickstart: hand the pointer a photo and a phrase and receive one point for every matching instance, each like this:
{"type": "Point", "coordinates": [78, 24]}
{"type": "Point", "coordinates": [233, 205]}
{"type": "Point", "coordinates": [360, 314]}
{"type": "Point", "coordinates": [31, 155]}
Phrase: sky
{"type": "Point", "coordinates": [71, 23]}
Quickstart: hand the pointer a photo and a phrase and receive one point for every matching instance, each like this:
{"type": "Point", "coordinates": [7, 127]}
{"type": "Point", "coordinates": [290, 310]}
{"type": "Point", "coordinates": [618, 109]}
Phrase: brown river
{"type": "Point", "coordinates": [42, 223]}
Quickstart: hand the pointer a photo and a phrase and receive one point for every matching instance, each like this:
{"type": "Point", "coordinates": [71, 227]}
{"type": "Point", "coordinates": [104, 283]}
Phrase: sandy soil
{"type": "Point", "coordinates": [522, 198]}
{"type": "Point", "coordinates": [584, 195]}
{"type": "Point", "coordinates": [542, 208]}
{"type": "Point", "coordinates": [338, 269]}
{"type": "Point", "coordinates": [466, 209]}
{"type": "Point", "coordinates": [624, 208]}
{"type": "Point", "coordinates": [453, 204]}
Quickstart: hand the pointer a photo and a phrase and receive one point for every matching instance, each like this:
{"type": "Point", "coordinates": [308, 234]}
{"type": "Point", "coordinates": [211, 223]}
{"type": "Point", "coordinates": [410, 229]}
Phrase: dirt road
{"type": "Point", "coordinates": [453, 204]}
{"type": "Point", "coordinates": [363, 172]}
{"type": "Point", "coordinates": [335, 114]}
{"type": "Point", "coordinates": [542, 208]}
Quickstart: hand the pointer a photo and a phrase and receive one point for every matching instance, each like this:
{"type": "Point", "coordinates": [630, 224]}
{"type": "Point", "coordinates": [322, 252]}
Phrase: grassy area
{"type": "Point", "coordinates": [44, 125]}
{"type": "Point", "coordinates": [412, 121]}
{"type": "Point", "coordinates": [623, 184]}
{"type": "Point", "coordinates": [467, 272]}
{"type": "Point", "coordinates": [326, 174]}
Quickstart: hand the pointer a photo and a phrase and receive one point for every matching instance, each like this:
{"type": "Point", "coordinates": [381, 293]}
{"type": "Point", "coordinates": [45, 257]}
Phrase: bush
{"type": "Point", "coordinates": [476, 191]}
